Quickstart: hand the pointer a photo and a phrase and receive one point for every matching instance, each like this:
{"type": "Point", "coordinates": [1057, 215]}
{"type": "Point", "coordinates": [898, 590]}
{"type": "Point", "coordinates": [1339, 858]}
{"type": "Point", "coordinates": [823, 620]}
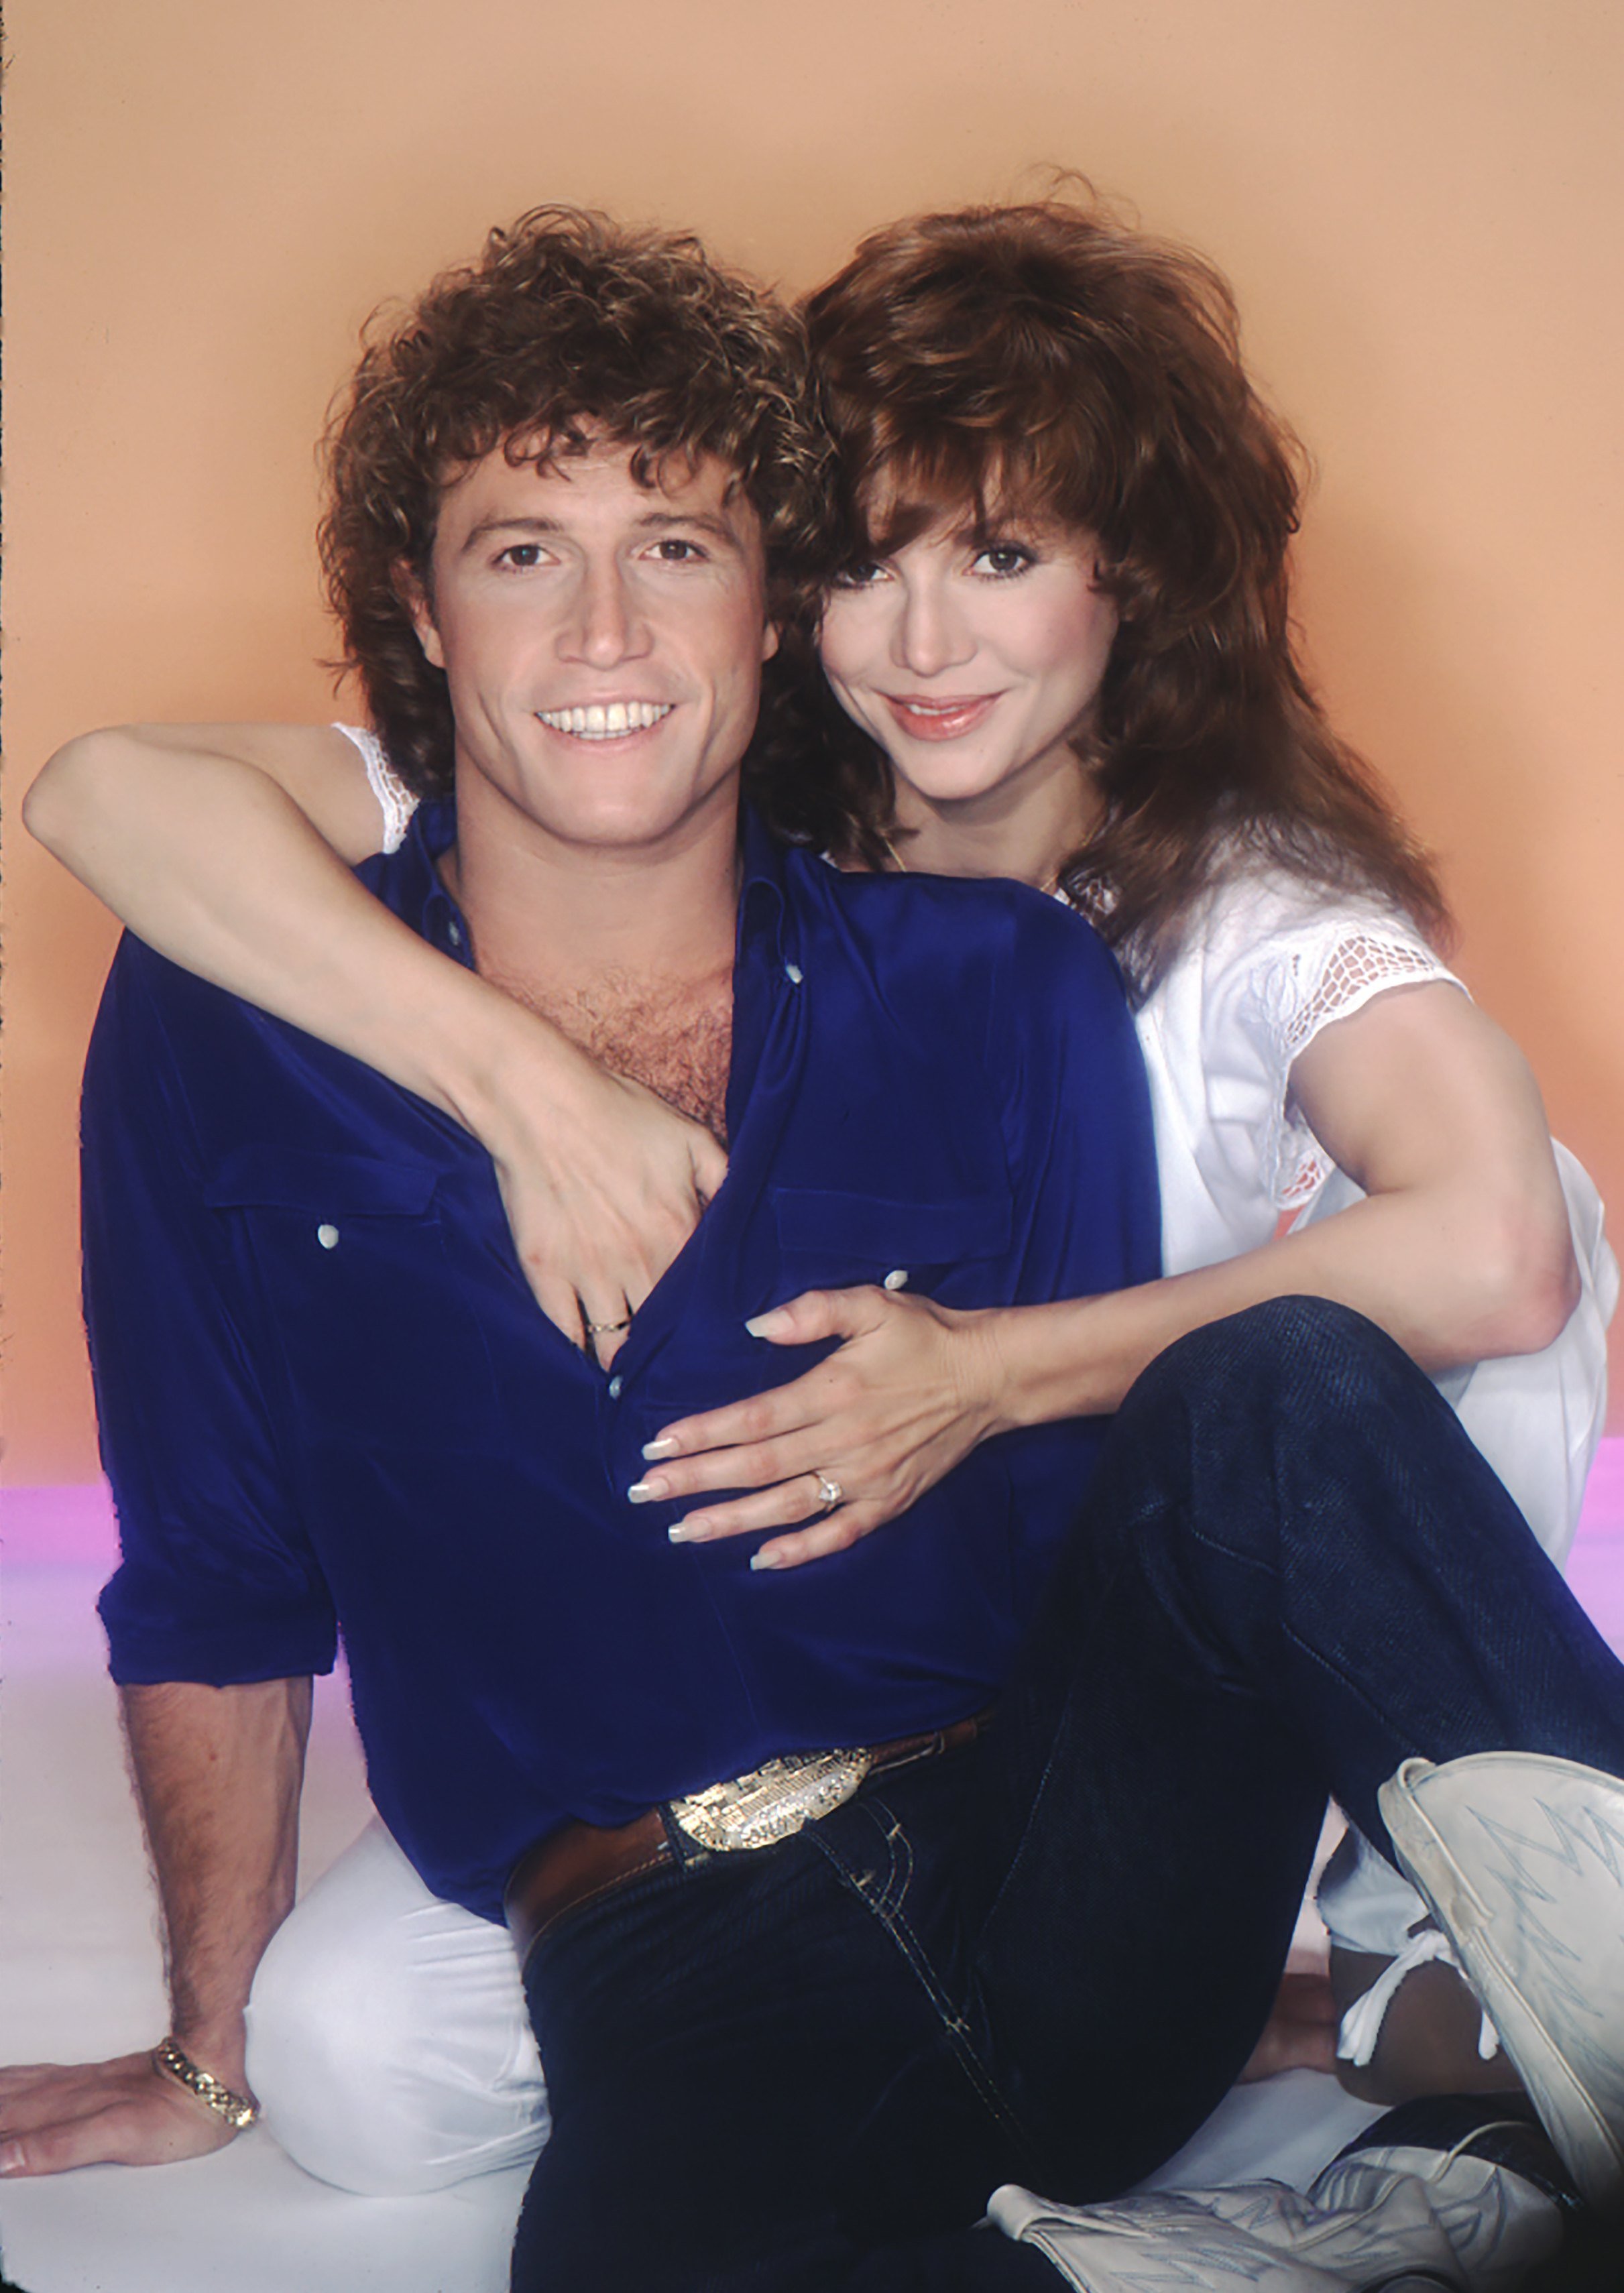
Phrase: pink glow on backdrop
{"type": "Point", "coordinates": [71, 1527]}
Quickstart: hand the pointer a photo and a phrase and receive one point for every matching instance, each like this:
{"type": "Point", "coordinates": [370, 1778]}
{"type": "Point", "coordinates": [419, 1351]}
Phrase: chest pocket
{"type": "Point", "coordinates": [381, 1344]}
{"type": "Point", "coordinates": [830, 1239]}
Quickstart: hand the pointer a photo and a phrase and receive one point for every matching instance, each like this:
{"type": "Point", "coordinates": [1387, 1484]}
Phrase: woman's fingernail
{"type": "Point", "coordinates": [692, 1531]}
{"type": "Point", "coordinates": [645, 1492]}
{"type": "Point", "coordinates": [665, 1447]}
{"type": "Point", "coordinates": [766, 1559]}
{"type": "Point", "coordinates": [768, 1324]}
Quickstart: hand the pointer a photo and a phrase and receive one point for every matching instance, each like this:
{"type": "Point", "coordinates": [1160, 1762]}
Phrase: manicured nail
{"type": "Point", "coordinates": [768, 1324]}
{"type": "Point", "coordinates": [646, 1492]}
{"type": "Point", "coordinates": [765, 1559]}
{"type": "Point", "coordinates": [665, 1447]}
{"type": "Point", "coordinates": [692, 1531]}
{"type": "Point", "coordinates": [11, 2158]}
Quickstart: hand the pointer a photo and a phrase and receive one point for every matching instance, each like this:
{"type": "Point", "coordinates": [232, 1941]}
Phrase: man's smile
{"type": "Point", "coordinates": [606, 720]}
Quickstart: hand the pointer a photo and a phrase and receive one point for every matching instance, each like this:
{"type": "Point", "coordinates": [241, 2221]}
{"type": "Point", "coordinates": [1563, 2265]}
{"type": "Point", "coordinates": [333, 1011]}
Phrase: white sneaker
{"type": "Point", "coordinates": [1520, 1859]}
{"type": "Point", "coordinates": [1388, 2218]}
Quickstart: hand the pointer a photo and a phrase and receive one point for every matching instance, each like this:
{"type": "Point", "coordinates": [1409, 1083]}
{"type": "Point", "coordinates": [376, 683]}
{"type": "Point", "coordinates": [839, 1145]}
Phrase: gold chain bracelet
{"type": "Point", "coordinates": [236, 2109]}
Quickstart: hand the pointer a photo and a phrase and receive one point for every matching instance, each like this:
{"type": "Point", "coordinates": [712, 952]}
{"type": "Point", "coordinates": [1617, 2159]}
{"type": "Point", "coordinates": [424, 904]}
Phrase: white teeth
{"type": "Point", "coordinates": [607, 721]}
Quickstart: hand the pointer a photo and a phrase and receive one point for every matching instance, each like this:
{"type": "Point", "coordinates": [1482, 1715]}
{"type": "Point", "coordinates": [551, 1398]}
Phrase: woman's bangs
{"type": "Point", "coordinates": [972, 484]}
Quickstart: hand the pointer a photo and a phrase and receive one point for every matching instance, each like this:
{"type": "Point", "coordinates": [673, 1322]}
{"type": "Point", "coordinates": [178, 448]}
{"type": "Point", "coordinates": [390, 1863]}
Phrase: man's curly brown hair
{"type": "Point", "coordinates": [567, 329]}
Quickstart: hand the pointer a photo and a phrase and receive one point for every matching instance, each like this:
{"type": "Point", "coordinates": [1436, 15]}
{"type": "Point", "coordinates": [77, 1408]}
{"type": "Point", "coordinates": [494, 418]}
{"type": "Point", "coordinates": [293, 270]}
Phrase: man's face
{"type": "Point", "coordinates": [603, 641]}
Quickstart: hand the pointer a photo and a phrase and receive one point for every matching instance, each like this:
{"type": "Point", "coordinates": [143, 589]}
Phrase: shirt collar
{"type": "Point", "coordinates": [765, 919]}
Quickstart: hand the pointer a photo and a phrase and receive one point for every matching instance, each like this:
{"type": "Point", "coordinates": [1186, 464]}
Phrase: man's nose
{"type": "Point", "coordinates": [607, 624]}
{"type": "Point", "coordinates": [930, 636]}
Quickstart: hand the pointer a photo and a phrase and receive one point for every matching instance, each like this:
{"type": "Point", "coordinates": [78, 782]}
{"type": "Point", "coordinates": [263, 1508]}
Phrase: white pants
{"type": "Point", "coordinates": [387, 2037]}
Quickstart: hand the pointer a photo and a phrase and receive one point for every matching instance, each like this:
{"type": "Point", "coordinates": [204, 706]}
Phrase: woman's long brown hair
{"type": "Point", "coordinates": [1049, 362]}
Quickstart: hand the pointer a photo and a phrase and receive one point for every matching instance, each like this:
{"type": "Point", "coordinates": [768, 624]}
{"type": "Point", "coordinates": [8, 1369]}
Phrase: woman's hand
{"type": "Point", "coordinates": [603, 1183]}
{"type": "Point", "coordinates": [912, 1387]}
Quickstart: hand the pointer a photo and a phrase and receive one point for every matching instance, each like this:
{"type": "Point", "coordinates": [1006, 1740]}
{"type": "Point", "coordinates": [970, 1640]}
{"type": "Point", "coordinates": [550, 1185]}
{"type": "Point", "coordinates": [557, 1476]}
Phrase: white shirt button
{"type": "Point", "coordinates": [327, 1236]}
{"type": "Point", "coordinates": [615, 1384]}
{"type": "Point", "coordinates": [794, 972]}
{"type": "Point", "coordinates": [897, 1279]}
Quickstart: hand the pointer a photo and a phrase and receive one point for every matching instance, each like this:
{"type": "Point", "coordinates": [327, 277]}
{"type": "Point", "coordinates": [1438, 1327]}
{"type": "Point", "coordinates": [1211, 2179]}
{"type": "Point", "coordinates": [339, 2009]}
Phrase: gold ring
{"type": "Point", "coordinates": [603, 1329]}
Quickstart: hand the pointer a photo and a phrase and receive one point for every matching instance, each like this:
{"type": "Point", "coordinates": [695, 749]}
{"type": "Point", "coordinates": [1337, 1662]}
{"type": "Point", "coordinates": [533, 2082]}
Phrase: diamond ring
{"type": "Point", "coordinates": [829, 1493]}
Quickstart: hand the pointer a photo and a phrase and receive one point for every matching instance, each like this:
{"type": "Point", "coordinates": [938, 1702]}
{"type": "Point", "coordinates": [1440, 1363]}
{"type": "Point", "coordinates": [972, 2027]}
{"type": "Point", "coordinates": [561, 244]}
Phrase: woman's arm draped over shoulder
{"type": "Point", "coordinates": [225, 847]}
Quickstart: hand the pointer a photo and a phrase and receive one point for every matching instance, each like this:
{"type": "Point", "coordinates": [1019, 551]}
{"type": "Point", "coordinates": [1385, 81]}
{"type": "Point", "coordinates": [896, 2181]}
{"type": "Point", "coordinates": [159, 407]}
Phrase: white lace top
{"type": "Point", "coordinates": [1266, 961]}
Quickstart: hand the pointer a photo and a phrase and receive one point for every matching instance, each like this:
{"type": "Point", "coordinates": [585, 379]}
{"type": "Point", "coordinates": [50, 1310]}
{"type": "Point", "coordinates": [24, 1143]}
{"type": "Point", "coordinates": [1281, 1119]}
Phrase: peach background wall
{"type": "Point", "coordinates": [1419, 201]}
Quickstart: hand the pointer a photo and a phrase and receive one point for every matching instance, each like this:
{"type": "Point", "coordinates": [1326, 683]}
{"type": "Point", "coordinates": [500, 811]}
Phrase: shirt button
{"type": "Point", "coordinates": [897, 1279]}
{"type": "Point", "coordinates": [327, 1236]}
{"type": "Point", "coordinates": [794, 972]}
{"type": "Point", "coordinates": [615, 1384]}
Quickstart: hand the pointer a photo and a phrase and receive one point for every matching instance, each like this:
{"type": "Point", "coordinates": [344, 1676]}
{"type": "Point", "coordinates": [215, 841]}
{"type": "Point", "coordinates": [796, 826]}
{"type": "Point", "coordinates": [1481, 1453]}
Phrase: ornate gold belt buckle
{"type": "Point", "coordinates": [772, 1801]}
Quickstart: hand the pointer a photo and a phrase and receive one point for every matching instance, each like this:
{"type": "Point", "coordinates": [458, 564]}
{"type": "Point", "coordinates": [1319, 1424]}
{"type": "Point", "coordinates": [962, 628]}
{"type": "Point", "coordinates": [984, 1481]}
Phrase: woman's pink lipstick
{"type": "Point", "coordinates": [943, 719]}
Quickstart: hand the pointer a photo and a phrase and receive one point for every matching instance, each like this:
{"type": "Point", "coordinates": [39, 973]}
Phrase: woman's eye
{"type": "Point", "coordinates": [1004, 558]}
{"type": "Point", "coordinates": [521, 556]}
{"type": "Point", "coordinates": [859, 577]}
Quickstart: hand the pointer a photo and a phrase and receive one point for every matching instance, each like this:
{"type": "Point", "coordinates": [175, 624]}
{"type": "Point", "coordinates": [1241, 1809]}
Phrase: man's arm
{"type": "Point", "coordinates": [217, 1772]}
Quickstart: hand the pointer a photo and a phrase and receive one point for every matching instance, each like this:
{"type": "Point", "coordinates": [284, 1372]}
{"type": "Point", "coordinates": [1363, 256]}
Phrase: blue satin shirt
{"type": "Point", "coordinates": [329, 1404]}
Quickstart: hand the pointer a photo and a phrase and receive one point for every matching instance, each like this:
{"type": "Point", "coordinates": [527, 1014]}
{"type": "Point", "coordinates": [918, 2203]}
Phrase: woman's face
{"type": "Point", "coordinates": [972, 661]}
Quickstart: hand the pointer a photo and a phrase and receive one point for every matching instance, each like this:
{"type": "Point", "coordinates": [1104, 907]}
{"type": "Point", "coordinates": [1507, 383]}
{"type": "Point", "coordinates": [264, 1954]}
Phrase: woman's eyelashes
{"type": "Point", "coordinates": [996, 560]}
{"type": "Point", "coordinates": [1005, 561]}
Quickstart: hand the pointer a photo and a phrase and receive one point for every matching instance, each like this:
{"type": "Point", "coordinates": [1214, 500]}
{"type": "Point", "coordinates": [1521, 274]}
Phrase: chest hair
{"type": "Point", "coordinates": [675, 1042]}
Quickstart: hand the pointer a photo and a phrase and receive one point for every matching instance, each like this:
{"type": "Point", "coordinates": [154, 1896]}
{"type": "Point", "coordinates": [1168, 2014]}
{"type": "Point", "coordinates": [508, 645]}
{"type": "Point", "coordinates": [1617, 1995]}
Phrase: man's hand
{"type": "Point", "coordinates": [127, 2113]}
{"type": "Point", "coordinates": [911, 1388]}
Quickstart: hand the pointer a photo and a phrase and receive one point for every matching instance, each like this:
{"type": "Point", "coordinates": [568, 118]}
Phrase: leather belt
{"type": "Point", "coordinates": [583, 1861]}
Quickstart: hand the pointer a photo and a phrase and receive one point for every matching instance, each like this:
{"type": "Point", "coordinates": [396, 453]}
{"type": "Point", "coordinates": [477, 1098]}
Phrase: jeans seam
{"type": "Point", "coordinates": [885, 1906]}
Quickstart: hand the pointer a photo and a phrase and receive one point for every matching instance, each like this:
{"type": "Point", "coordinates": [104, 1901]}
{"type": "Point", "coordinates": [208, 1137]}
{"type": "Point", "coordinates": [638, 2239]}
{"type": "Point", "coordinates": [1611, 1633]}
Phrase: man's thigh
{"type": "Point", "coordinates": [751, 2079]}
{"type": "Point", "coordinates": [387, 2037]}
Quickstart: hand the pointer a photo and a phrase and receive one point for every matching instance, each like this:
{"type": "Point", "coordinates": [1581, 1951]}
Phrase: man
{"type": "Point", "coordinates": [810, 2001]}
{"type": "Point", "coordinates": [584, 596]}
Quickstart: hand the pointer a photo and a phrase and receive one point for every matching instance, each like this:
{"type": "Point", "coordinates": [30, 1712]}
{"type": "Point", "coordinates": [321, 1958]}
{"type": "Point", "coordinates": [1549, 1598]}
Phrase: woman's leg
{"type": "Point", "coordinates": [387, 2038]}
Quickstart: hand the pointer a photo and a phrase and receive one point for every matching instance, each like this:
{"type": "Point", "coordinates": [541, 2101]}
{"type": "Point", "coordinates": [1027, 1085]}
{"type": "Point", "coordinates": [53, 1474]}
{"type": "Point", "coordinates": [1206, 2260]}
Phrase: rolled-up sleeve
{"type": "Point", "coordinates": [217, 1581]}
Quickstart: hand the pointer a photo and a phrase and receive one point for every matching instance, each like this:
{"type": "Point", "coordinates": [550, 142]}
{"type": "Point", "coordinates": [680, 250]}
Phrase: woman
{"type": "Point", "coordinates": [1056, 630]}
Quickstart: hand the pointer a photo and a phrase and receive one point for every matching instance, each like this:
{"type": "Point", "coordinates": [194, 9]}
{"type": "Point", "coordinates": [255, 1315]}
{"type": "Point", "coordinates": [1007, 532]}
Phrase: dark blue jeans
{"type": "Point", "coordinates": [1045, 1957]}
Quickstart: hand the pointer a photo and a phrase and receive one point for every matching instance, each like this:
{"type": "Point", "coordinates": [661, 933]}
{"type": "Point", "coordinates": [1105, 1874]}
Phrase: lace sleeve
{"type": "Point", "coordinates": [1355, 968]}
{"type": "Point", "coordinates": [395, 800]}
{"type": "Point", "coordinates": [1321, 967]}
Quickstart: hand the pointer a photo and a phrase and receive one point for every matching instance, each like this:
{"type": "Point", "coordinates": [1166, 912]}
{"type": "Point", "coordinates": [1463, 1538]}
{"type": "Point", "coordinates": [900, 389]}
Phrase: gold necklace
{"type": "Point", "coordinates": [1051, 887]}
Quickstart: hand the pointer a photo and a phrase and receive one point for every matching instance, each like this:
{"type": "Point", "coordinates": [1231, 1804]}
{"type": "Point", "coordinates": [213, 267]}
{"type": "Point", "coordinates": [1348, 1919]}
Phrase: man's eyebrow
{"type": "Point", "coordinates": [661, 521]}
{"type": "Point", "coordinates": [534, 528]}
{"type": "Point", "coordinates": [653, 521]}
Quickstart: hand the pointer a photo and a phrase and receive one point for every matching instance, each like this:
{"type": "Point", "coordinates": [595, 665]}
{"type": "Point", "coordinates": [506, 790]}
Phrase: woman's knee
{"type": "Point", "coordinates": [388, 2043]}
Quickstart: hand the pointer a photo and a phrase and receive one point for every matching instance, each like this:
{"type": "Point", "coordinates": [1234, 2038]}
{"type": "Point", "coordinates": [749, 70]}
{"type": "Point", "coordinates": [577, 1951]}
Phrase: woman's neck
{"type": "Point", "coordinates": [1028, 832]}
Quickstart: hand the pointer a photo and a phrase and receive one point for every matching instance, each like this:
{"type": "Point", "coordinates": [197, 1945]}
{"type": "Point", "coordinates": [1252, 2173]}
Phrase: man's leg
{"type": "Point", "coordinates": [1295, 1573]}
{"type": "Point", "coordinates": [387, 2038]}
{"type": "Point", "coordinates": [752, 2089]}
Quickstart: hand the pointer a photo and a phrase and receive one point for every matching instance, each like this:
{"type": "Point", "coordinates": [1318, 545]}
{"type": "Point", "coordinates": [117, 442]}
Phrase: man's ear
{"type": "Point", "coordinates": [414, 597]}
